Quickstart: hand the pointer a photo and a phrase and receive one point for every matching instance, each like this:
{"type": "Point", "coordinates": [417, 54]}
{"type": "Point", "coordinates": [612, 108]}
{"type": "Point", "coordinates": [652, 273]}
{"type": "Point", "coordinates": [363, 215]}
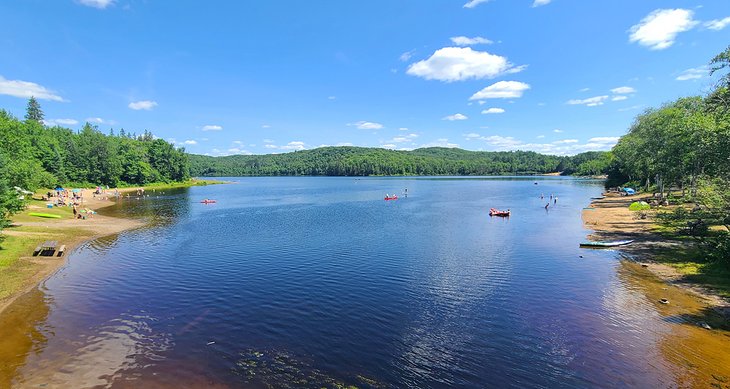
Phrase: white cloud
{"type": "Point", "coordinates": [212, 127]}
{"type": "Point", "coordinates": [474, 3]}
{"type": "Point", "coordinates": [718, 24]}
{"type": "Point", "coordinates": [268, 141]}
{"type": "Point", "coordinates": [456, 116]}
{"type": "Point", "coordinates": [402, 139]}
{"type": "Point", "coordinates": [95, 120]}
{"type": "Point", "coordinates": [295, 145]}
{"type": "Point", "coordinates": [466, 41]}
{"type": "Point", "coordinates": [693, 74]}
{"type": "Point", "coordinates": [461, 63]}
{"type": "Point", "coordinates": [25, 89]}
{"type": "Point", "coordinates": [659, 29]}
{"type": "Point", "coordinates": [622, 90]}
{"type": "Point", "coordinates": [363, 125]}
{"type": "Point", "coordinates": [501, 90]}
{"type": "Point", "coordinates": [443, 142]}
{"type": "Point", "coordinates": [493, 110]}
{"type": "Point", "coordinates": [60, 122]}
{"type": "Point", "coordinates": [605, 139]}
{"type": "Point", "coordinates": [538, 3]}
{"type": "Point", "coordinates": [388, 146]}
{"type": "Point", "coordinates": [190, 142]}
{"type": "Point", "coordinates": [265, 126]}
{"type": "Point", "coordinates": [146, 105]}
{"type": "Point", "coordinates": [270, 146]}
{"type": "Point", "coordinates": [585, 90]}
{"type": "Point", "coordinates": [557, 131]}
{"type": "Point", "coordinates": [619, 98]}
{"type": "Point", "coordinates": [101, 4]}
{"type": "Point", "coordinates": [403, 129]}
{"type": "Point", "coordinates": [540, 136]}
{"type": "Point", "coordinates": [406, 56]}
{"type": "Point", "coordinates": [633, 107]}
{"type": "Point", "coordinates": [590, 102]}
{"type": "Point", "coordinates": [560, 147]}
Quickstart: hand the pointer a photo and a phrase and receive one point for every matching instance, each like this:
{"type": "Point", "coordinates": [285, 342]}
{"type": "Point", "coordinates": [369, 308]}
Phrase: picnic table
{"type": "Point", "coordinates": [49, 245]}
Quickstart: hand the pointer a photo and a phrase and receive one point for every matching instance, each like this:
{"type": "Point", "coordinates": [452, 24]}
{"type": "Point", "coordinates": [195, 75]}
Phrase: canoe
{"type": "Point", "coordinates": [496, 212]}
{"type": "Point", "coordinates": [606, 244]}
{"type": "Point", "coordinates": [46, 215]}
{"type": "Point", "coordinates": [392, 198]}
{"type": "Point", "coordinates": [208, 201]}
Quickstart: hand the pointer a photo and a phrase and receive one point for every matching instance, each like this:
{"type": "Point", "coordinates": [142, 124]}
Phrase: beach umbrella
{"type": "Point", "coordinates": [76, 190]}
{"type": "Point", "coordinates": [639, 206]}
{"type": "Point", "coordinates": [59, 188]}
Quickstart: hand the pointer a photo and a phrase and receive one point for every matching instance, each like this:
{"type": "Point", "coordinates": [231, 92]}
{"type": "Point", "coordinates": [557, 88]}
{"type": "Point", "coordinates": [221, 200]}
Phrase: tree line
{"type": "Point", "coordinates": [34, 156]}
{"type": "Point", "coordinates": [361, 161]}
{"type": "Point", "coordinates": [684, 146]}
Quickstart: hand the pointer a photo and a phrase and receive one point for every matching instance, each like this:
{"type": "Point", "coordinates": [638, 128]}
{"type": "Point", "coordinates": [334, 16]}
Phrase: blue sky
{"type": "Point", "coordinates": [242, 77]}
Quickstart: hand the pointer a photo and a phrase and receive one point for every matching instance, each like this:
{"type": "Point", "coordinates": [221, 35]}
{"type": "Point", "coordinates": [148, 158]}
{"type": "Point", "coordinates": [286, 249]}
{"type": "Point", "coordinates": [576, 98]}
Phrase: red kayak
{"type": "Point", "coordinates": [391, 197]}
{"type": "Point", "coordinates": [497, 212]}
{"type": "Point", "coordinates": [206, 201]}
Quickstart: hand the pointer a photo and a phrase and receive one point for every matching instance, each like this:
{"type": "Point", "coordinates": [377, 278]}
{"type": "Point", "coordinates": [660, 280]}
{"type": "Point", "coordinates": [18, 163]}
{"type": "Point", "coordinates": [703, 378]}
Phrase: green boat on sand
{"type": "Point", "coordinates": [46, 215]}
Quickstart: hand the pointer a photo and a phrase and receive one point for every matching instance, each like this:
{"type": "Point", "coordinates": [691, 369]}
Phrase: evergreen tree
{"type": "Point", "coordinates": [34, 112]}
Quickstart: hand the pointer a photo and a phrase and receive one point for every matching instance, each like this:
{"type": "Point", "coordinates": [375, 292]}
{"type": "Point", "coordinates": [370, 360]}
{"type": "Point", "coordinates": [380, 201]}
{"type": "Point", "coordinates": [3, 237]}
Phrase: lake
{"type": "Point", "coordinates": [312, 282]}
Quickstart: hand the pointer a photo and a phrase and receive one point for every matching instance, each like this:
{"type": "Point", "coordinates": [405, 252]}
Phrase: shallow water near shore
{"type": "Point", "coordinates": [312, 282]}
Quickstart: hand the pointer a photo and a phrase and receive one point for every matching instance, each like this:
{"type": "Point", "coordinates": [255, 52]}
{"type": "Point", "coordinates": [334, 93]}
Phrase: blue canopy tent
{"type": "Point", "coordinates": [629, 191]}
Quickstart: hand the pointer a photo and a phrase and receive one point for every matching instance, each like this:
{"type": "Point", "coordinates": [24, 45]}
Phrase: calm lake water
{"type": "Point", "coordinates": [311, 282]}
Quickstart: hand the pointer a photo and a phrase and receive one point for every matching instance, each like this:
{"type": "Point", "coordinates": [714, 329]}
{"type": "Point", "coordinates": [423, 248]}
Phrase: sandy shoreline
{"type": "Point", "coordinates": [83, 231]}
{"type": "Point", "coordinates": [610, 219]}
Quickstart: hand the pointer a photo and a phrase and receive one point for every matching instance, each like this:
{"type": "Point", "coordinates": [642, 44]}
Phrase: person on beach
{"type": "Point", "coordinates": [547, 205]}
{"type": "Point", "coordinates": [75, 211]}
{"type": "Point", "coordinates": [556, 200]}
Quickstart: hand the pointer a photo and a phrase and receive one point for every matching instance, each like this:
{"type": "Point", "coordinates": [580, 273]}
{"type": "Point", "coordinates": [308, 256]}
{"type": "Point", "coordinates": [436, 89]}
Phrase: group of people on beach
{"type": "Point", "coordinates": [74, 199]}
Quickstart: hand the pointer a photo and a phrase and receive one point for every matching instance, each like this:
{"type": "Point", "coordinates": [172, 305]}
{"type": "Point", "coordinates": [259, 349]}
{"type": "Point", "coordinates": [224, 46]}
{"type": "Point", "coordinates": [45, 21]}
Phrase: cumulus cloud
{"type": "Point", "coordinates": [26, 90]}
{"type": "Point", "coordinates": [60, 122]}
{"type": "Point", "coordinates": [454, 117]}
{"type": "Point", "coordinates": [693, 74]}
{"type": "Point", "coordinates": [100, 4]}
{"type": "Point", "coordinates": [493, 110]}
{"type": "Point", "coordinates": [718, 24]}
{"type": "Point", "coordinates": [619, 98]}
{"type": "Point", "coordinates": [95, 120]}
{"type": "Point", "coordinates": [474, 3]}
{"type": "Point", "coordinates": [462, 63]}
{"type": "Point", "coordinates": [466, 41]}
{"type": "Point", "coordinates": [557, 131]}
{"type": "Point", "coordinates": [403, 139]}
{"type": "Point", "coordinates": [364, 125]}
{"type": "Point", "coordinates": [403, 129]}
{"type": "Point", "coordinates": [538, 3]}
{"type": "Point", "coordinates": [190, 142]}
{"type": "Point", "coordinates": [442, 142]}
{"type": "Point", "coordinates": [406, 56]}
{"type": "Point", "coordinates": [622, 90]}
{"type": "Point", "coordinates": [559, 147]}
{"type": "Point", "coordinates": [659, 29]}
{"type": "Point", "coordinates": [501, 90]}
{"type": "Point", "coordinates": [294, 145]}
{"type": "Point", "coordinates": [146, 105]}
{"type": "Point", "coordinates": [212, 127]}
{"type": "Point", "coordinates": [590, 102]}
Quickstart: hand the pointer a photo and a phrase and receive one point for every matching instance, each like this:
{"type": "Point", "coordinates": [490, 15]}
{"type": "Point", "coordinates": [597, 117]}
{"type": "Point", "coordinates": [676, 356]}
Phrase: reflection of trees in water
{"type": "Point", "coordinates": [22, 332]}
{"type": "Point", "coordinates": [159, 207]}
{"type": "Point", "coordinates": [699, 357]}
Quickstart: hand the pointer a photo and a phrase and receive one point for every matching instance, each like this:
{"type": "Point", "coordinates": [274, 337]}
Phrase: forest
{"type": "Point", "coordinates": [34, 156]}
{"type": "Point", "coordinates": [434, 161]}
{"type": "Point", "coordinates": [681, 151]}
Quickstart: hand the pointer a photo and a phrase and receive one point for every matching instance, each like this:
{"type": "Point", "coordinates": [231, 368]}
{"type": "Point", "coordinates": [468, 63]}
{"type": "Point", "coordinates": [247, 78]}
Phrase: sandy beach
{"type": "Point", "coordinates": [611, 219]}
{"type": "Point", "coordinates": [69, 231]}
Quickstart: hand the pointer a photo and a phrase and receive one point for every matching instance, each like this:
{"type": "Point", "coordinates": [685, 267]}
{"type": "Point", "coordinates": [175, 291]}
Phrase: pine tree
{"type": "Point", "coordinates": [34, 112]}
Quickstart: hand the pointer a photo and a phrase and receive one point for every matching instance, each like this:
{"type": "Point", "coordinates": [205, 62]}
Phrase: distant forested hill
{"type": "Point", "coordinates": [360, 161]}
